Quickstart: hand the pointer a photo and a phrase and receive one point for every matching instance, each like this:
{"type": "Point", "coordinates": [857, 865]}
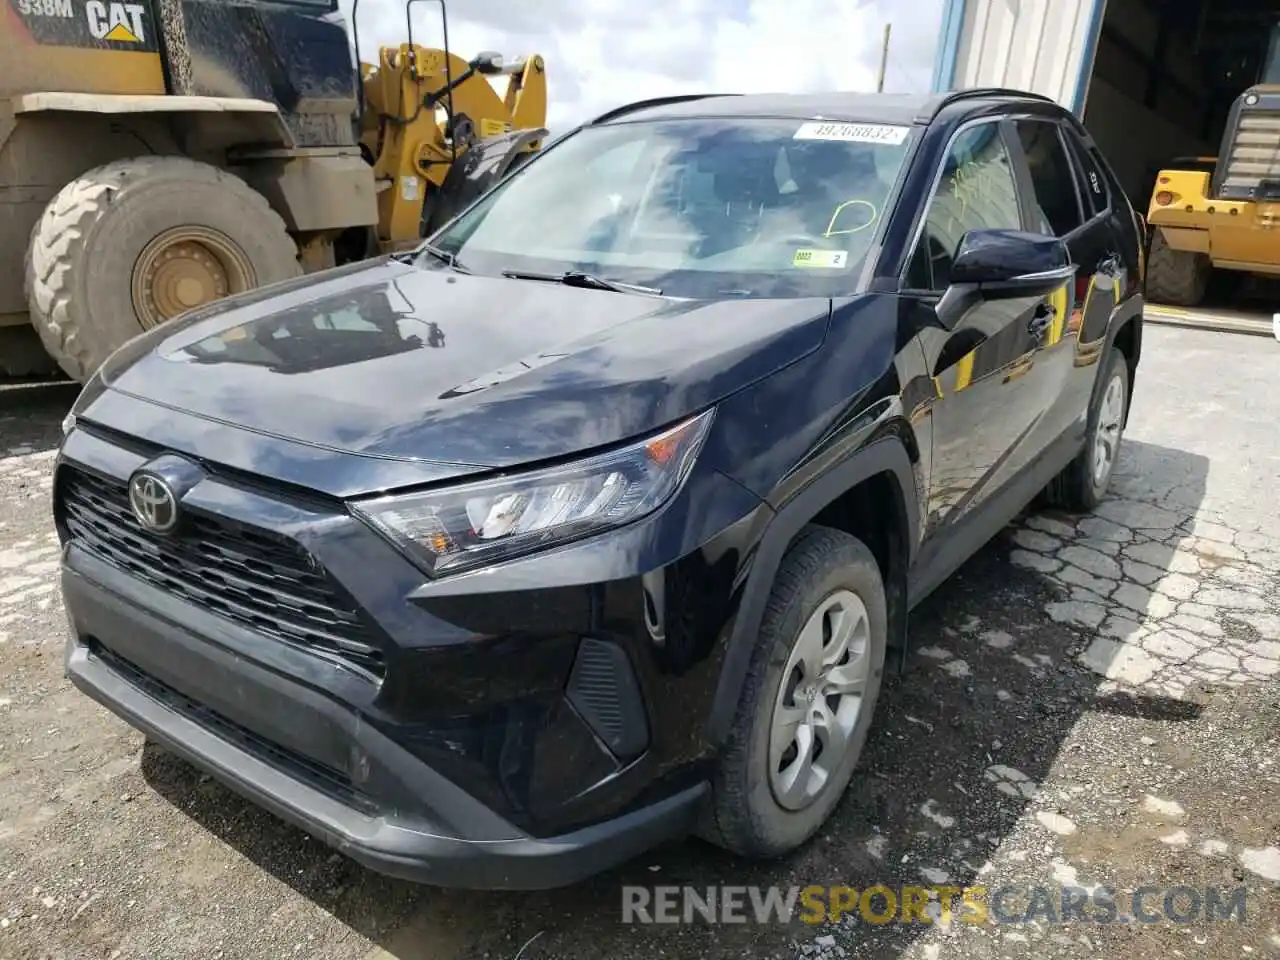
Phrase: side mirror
{"type": "Point", "coordinates": [1010, 263]}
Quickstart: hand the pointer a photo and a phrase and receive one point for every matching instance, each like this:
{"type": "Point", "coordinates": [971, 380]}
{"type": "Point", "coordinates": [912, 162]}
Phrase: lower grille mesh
{"type": "Point", "coordinates": [248, 576]}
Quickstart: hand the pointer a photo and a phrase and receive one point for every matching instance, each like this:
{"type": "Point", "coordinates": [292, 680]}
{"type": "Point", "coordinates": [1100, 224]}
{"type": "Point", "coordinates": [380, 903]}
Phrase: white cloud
{"type": "Point", "coordinates": [604, 53]}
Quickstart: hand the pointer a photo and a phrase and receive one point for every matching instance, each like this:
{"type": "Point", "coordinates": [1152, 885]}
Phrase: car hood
{"type": "Point", "coordinates": [403, 362]}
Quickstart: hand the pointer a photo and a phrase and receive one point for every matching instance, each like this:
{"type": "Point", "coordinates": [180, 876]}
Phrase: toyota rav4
{"type": "Point", "coordinates": [595, 520]}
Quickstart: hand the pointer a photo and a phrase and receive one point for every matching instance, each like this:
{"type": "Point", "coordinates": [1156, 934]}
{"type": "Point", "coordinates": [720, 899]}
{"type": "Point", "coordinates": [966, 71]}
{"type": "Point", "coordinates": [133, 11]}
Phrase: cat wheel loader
{"type": "Point", "coordinates": [1221, 213]}
{"type": "Point", "coordinates": [156, 155]}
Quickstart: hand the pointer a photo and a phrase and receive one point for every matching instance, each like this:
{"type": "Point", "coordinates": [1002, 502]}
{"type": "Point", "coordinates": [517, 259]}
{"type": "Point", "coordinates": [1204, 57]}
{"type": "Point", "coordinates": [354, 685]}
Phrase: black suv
{"type": "Point", "coordinates": [592, 521]}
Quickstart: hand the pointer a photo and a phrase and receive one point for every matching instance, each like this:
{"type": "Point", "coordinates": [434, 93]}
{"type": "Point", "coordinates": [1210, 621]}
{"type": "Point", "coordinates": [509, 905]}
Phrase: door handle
{"type": "Point", "coordinates": [1039, 323]}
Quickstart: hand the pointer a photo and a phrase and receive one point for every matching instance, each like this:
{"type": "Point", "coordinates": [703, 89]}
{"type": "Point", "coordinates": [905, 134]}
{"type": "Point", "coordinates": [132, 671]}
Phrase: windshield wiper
{"type": "Point", "coordinates": [577, 279]}
{"type": "Point", "coordinates": [445, 257]}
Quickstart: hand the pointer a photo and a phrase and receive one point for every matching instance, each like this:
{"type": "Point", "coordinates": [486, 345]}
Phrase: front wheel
{"type": "Point", "coordinates": [808, 700]}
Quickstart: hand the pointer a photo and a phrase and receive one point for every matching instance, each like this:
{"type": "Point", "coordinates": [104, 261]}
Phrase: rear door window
{"type": "Point", "coordinates": [1055, 200]}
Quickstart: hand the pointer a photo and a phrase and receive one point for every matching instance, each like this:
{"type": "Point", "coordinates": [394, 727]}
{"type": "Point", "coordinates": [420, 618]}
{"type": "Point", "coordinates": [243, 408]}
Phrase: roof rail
{"type": "Point", "coordinates": [622, 111]}
{"type": "Point", "coordinates": [936, 104]}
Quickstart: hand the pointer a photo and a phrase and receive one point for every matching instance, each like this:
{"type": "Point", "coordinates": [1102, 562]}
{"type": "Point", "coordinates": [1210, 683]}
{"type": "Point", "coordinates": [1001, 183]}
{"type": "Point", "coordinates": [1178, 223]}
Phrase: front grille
{"type": "Point", "coordinates": [1253, 156]}
{"type": "Point", "coordinates": [248, 576]}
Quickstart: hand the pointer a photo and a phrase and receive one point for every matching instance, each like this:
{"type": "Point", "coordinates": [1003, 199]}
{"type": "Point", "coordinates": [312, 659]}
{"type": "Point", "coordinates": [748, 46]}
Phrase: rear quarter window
{"type": "Point", "coordinates": [1090, 173]}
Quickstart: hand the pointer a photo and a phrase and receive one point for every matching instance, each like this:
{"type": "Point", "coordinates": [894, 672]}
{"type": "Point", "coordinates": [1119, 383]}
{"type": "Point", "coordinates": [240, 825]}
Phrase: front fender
{"type": "Point", "coordinates": [885, 455]}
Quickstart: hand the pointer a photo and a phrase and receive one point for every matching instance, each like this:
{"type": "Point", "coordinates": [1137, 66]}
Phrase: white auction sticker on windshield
{"type": "Point", "coordinates": [831, 259]}
{"type": "Point", "coordinates": [853, 132]}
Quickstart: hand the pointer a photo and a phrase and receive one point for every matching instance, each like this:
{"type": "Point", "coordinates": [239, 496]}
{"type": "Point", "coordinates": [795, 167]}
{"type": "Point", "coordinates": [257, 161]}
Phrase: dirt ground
{"type": "Point", "coordinates": [1091, 704]}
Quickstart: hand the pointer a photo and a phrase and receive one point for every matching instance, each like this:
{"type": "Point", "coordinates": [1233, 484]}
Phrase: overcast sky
{"type": "Point", "coordinates": [603, 53]}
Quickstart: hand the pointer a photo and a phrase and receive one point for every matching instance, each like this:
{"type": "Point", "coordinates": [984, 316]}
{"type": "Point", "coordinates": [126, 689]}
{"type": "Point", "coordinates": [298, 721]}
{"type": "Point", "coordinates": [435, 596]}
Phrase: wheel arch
{"type": "Point", "coordinates": [848, 497]}
{"type": "Point", "coordinates": [1128, 339]}
{"type": "Point", "coordinates": [1125, 334]}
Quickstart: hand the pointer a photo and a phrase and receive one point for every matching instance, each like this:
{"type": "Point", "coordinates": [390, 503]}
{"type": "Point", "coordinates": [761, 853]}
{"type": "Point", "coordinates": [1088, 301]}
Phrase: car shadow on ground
{"type": "Point", "coordinates": [979, 715]}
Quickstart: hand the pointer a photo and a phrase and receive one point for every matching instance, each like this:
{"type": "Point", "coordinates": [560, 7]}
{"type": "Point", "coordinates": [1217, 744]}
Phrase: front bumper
{"type": "Point", "coordinates": [495, 856]}
{"type": "Point", "coordinates": [520, 726]}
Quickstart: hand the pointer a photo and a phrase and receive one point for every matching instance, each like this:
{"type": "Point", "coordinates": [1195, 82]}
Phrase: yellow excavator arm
{"type": "Point", "coordinates": [423, 109]}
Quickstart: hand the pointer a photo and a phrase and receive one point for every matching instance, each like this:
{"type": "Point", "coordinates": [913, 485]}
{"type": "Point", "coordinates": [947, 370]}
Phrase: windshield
{"type": "Point", "coordinates": [695, 208]}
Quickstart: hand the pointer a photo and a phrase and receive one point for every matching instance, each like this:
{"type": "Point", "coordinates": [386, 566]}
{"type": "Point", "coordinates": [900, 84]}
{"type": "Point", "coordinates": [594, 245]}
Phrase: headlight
{"type": "Point", "coordinates": [471, 525]}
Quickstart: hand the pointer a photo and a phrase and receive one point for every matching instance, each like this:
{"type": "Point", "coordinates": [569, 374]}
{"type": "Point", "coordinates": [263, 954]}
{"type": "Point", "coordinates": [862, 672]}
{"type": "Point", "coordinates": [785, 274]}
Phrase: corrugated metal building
{"type": "Point", "coordinates": [1152, 79]}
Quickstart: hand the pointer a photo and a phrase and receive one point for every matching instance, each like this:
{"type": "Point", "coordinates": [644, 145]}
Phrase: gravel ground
{"type": "Point", "coordinates": [1091, 705]}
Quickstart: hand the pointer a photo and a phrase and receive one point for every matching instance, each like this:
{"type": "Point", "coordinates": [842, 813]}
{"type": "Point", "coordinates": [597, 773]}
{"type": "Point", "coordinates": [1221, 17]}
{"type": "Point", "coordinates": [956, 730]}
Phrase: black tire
{"type": "Point", "coordinates": [80, 262]}
{"type": "Point", "coordinates": [1079, 488]}
{"type": "Point", "coordinates": [744, 815]}
{"type": "Point", "coordinates": [1176, 277]}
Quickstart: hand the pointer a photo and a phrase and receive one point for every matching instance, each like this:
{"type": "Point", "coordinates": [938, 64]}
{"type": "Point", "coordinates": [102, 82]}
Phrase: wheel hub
{"type": "Point", "coordinates": [1106, 441]}
{"type": "Point", "coordinates": [184, 268]}
{"type": "Point", "coordinates": [819, 700]}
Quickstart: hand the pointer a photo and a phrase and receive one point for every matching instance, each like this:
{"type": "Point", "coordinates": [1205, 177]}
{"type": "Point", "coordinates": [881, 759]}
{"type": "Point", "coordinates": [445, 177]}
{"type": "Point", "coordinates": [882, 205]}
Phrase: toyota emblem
{"type": "Point", "coordinates": [153, 503]}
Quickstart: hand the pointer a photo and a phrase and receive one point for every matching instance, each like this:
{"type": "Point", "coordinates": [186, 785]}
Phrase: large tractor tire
{"type": "Point", "coordinates": [137, 242]}
{"type": "Point", "coordinates": [1176, 277]}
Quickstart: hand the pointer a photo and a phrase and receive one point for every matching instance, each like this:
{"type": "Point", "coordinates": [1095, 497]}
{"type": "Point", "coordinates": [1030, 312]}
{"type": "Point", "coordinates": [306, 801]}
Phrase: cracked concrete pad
{"type": "Point", "coordinates": [1036, 541]}
{"type": "Point", "coordinates": [1166, 644]}
{"type": "Point", "coordinates": [1260, 667]}
{"type": "Point", "coordinates": [1217, 660]}
{"type": "Point", "coordinates": [1079, 578]}
{"type": "Point", "coordinates": [1177, 586]}
{"type": "Point", "coordinates": [1141, 573]}
{"type": "Point", "coordinates": [1100, 528]}
{"type": "Point", "coordinates": [1076, 612]}
{"type": "Point", "coordinates": [1265, 648]}
{"type": "Point", "coordinates": [1100, 654]}
{"type": "Point", "coordinates": [1120, 627]}
{"type": "Point", "coordinates": [1133, 597]}
{"type": "Point", "coordinates": [1120, 661]}
{"type": "Point", "coordinates": [1214, 551]}
{"type": "Point", "coordinates": [1132, 665]}
{"type": "Point", "coordinates": [1034, 561]}
{"type": "Point", "coordinates": [1208, 530]}
{"type": "Point", "coordinates": [1267, 625]}
{"type": "Point", "coordinates": [1091, 561]}
{"type": "Point", "coordinates": [1138, 516]}
{"type": "Point", "coordinates": [1162, 557]}
{"type": "Point", "coordinates": [1200, 625]}
{"type": "Point", "coordinates": [1230, 599]}
{"type": "Point", "coordinates": [1052, 526]}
